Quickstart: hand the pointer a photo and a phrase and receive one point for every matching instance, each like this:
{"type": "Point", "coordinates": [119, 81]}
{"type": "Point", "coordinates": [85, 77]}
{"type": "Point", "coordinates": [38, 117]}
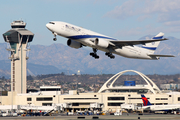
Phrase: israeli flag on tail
{"type": "Point", "coordinates": [153, 45]}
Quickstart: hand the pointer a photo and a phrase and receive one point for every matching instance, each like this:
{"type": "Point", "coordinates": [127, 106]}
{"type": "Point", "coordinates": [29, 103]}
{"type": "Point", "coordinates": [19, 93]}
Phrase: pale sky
{"type": "Point", "coordinates": [121, 19]}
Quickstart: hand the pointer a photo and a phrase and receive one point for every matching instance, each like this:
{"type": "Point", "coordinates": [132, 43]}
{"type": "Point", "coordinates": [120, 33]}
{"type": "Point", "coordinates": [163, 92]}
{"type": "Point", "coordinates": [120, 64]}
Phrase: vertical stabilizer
{"type": "Point", "coordinates": [153, 45]}
{"type": "Point", "coordinates": [145, 101]}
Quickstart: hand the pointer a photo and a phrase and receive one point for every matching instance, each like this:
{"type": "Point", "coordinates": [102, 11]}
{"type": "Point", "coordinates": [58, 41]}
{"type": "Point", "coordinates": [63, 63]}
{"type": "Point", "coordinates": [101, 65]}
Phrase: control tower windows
{"type": "Point", "coordinates": [18, 26]}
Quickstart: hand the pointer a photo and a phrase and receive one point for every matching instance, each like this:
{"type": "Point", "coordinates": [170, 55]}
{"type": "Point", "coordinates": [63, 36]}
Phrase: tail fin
{"type": "Point", "coordinates": [145, 101]}
{"type": "Point", "coordinates": [153, 45]}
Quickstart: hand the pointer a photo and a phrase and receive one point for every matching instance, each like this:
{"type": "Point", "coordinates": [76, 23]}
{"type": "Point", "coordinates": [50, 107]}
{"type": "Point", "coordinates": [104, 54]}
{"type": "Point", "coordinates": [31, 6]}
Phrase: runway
{"type": "Point", "coordinates": [100, 117]}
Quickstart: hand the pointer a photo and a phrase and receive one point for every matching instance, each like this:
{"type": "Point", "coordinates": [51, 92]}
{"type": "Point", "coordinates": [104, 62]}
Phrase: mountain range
{"type": "Point", "coordinates": [57, 58]}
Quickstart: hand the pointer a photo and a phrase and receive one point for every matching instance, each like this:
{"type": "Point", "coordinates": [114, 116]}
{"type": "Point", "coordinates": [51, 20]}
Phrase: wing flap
{"type": "Point", "coordinates": [155, 55]}
{"type": "Point", "coordinates": [136, 42]}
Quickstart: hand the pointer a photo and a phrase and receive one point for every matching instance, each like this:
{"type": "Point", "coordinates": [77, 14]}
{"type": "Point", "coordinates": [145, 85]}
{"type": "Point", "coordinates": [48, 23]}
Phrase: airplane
{"type": "Point", "coordinates": [79, 37]}
{"type": "Point", "coordinates": [167, 108]}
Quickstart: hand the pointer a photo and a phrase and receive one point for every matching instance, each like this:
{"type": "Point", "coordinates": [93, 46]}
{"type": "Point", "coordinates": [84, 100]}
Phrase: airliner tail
{"type": "Point", "coordinates": [145, 101]}
{"type": "Point", "coordinates": [153, 45]}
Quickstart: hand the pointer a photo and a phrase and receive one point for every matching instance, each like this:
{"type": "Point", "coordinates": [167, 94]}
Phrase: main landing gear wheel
{"type": "Point", "coordinates": [93, 54]}
{"type": "Point", "coordinates": [110, 55]}
{"type": "Point", "coordinates": [54, 39]}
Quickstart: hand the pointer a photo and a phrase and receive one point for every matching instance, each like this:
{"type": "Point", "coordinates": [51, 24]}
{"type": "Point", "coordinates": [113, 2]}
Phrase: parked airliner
{"type": "Point", "coordinates": [79, 37]}
{"type": "Point", "coordinates": [168, 108]}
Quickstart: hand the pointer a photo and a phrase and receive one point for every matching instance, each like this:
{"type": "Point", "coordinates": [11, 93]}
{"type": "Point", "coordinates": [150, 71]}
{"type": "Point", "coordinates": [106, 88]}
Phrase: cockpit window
{"type": "Point", "coordinates": [51, 22]}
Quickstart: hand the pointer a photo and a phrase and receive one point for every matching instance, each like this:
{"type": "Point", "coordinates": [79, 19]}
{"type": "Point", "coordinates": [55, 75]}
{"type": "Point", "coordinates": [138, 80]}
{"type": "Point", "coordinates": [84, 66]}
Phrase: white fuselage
{"type": "Point", "coordinates": [162, 107]}
{"type": "Point", "coordinates": [86, 37]}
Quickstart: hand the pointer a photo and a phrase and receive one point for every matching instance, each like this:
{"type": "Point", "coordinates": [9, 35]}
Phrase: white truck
{"type": "Point", "coordinates": [6, 113]}
{"type": "Point", "coordinates": [129, 107]}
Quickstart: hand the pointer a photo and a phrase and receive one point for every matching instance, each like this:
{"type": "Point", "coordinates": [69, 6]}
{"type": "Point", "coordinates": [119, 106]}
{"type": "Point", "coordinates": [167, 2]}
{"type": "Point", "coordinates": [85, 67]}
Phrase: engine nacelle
{"type": "Point", "coordinates": [101, 43]}
{"type": "Point", "coordinates": [74, 44]}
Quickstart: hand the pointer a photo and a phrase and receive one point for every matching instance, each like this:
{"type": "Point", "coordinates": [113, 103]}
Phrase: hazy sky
{"type": "Point", "coordinates": [121, 19]}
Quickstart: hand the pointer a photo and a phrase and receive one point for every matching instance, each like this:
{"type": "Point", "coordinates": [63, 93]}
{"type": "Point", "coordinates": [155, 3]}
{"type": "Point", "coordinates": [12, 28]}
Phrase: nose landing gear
{"type": "Point", "coordinates": [54, 39]}
{"type": "Point", "coordinates": [55, 34]}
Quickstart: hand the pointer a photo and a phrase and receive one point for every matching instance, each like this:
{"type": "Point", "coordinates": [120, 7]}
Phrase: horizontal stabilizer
{"type": "Point", "coordinates": [155, 55]}
{"type": "Point", "coordinates": [146, 107]}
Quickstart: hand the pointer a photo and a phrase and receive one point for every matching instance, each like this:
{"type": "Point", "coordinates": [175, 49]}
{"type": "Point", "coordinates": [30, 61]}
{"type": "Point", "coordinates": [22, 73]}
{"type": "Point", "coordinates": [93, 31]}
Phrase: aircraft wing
{"type": "Point", "coordinates": [136, 42]}
{"type": "Point", "coordinates": [155, 55]}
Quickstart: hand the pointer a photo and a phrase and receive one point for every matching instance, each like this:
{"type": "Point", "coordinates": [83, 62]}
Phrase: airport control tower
{"type": "Point", "coordinates": [18, 38]}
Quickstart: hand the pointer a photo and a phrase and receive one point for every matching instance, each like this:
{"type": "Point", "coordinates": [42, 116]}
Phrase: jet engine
{"type": "Point", "coordinates": [74, 44]}
{"type": "Point", "coordinates": [101, 43]}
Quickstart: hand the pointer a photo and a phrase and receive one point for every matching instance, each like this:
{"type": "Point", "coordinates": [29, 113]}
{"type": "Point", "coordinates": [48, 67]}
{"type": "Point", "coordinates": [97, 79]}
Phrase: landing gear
{"type": "Point", "coordinates": [110, 55]}
{"type": "Point", "coordinates": [54, 36]}
{"type": "Point", "coordinates": [54, 39]}
{"type": "Point", "coordinates": [93, 54]}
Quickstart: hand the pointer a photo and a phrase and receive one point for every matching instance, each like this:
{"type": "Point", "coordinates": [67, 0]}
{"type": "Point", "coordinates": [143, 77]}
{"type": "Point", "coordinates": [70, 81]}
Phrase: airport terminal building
{"type": "Point", "coordinates": [108, 98]}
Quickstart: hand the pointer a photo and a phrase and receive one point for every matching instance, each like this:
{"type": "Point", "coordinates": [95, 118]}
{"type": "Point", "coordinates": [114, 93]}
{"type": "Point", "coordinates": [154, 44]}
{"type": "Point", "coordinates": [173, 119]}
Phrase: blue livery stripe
{"type": "Point", "coordinates": [149, 48]}
{"type": "Point", "coordinates": [160, 37]}
{"type": "Point", "coordinates": [142, 96]}
{"type": "Point", "coordinates": [89, 36]}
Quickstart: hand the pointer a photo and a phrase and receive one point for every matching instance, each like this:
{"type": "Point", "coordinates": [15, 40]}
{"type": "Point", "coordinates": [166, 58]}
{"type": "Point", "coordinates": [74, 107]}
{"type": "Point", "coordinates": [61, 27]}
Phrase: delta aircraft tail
{"type": "Point", "coordinates": [168, 108]}
{"type": "Point", "coordinates": [145, 101]}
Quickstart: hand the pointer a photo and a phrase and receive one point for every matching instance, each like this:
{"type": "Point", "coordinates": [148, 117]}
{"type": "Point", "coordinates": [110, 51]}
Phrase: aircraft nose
{"type": "Point", "coordinates": [48, 26]}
